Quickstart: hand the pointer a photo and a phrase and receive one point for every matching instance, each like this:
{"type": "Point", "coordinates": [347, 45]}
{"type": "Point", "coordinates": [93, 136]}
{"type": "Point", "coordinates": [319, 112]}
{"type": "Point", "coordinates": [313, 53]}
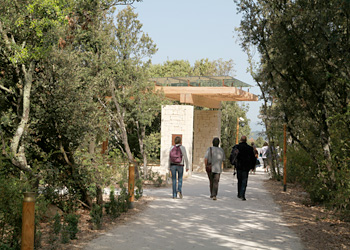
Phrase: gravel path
{"type": "Point", "coordinates": [197, 222]}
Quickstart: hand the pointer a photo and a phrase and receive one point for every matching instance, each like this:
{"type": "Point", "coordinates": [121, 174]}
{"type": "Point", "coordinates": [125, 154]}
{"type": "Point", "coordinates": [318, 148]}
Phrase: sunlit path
{"type": "Point", "coordinates": [197, 222]}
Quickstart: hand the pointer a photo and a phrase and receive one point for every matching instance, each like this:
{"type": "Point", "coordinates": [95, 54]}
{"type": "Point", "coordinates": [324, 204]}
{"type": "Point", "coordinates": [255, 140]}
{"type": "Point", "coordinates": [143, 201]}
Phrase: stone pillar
{"type": "Point", "coordinates": [207, 125]}
{"type": "Point", "coordinates": [176, 120]}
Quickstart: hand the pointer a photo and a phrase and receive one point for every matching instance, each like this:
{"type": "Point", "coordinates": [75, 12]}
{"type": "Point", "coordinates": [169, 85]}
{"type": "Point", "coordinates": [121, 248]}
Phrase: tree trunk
{"type": "Point", "coordinates": [141, 132]}
{"type": "Point", "coordinates": [119, 118]}
{"type": "Point", "coordinates": [17, 146]}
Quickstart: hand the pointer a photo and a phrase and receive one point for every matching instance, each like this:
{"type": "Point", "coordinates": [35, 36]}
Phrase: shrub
{"type": "Point", "coordinates": [96, 215]}
{"type": "Point", "coordinates": [11, 196]}
{"type": "Point", "coordinates": [139, 189]}
{"type": "Point", "coordinates": [111, 207]}
{"type": "Point", "coordinates": [70, 227]}
{"type": "Point", "coordinates": [123, 198]}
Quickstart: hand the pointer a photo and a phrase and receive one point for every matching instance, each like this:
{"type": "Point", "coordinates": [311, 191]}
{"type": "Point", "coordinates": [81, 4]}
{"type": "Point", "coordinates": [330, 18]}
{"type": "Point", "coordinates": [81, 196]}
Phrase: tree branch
{"type": "Point", "coordinates": [6, 38]}
{"type": "Point", "coordinates": [7, 90]}
{"type": "Point", "coordinates": [64, 154]}
{"type": "Point", "coordinates": [26, 108]}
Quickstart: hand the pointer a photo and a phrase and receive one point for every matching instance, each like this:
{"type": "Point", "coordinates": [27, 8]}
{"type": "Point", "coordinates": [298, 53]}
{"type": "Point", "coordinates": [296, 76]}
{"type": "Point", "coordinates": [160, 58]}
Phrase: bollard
{"type": "Point", "coordinates": [237, 130]}
{"type": "Point", "coordinates": [131, 185]}
{"type": "Point", "coordinates": [285, 158]}
{"type": "Point", "coordinates": [28, 216]}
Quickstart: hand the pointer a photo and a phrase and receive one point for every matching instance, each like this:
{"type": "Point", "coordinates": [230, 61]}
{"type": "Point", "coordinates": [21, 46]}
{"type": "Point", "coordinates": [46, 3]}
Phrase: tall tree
{"type": "Point", "coordinates": [171, 69]}
{"type": "Point", "coordinates": [27, 35]}
{"type": "Point", "coordinates": [128, 81]}
{"type": "Point", "coordinates": [304, 71]}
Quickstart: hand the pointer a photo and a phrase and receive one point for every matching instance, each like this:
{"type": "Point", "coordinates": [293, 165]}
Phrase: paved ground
{"type": "Point", "coordinates": [197, 222]}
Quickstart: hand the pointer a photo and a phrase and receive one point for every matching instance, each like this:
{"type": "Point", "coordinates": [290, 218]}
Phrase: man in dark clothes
{"type": "Point", "coordinates": [242, 156]}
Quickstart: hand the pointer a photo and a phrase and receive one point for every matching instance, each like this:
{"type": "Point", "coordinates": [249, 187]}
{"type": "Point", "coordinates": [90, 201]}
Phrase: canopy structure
{"type": "Point", "coordinates": [203, 91]}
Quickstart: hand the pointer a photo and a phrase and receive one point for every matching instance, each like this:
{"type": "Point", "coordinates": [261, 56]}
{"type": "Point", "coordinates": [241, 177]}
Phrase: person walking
{"type": "Point", "coordinates": [264, 154]}
{"type": "Point", "coordinates": [256, 153]}
{"type": "Point", "coordinates": [215, 156]}
{"type": "Point", "coordinates": [242, 156]}
{"type": "Point", "coordinates": [177, 160]}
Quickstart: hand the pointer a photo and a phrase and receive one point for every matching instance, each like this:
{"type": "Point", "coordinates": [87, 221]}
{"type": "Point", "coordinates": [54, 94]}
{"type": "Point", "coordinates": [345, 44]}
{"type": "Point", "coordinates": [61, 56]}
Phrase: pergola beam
{"type": "Point", "coordinates": [209, 97]}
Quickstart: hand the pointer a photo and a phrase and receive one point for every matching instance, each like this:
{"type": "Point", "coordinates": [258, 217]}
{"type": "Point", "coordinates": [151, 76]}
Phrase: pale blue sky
{"type": "Point", "coordinates": [195, 29]}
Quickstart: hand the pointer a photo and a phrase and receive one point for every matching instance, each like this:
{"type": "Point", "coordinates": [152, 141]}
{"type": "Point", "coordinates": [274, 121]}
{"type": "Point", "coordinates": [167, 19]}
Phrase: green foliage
{"type": "Point", "coordinates": [139, 189]}
{"type": "Point", "coordinates": [57, 226]}
{"type": "Point", "coordinates": [155, 178]}
{"type": "Point", "coordinates": [230, 112]}
{"type": "Point", "coordinates": [111, 207]}
{"type": "Point", "coordinates": [159, 181]}
{"type": "Point", "coordinates": [171, 68]}
{"type": "Point", "coordinates": [259, 142]}
{"type": "Point", "coordinates": [70, 225]}
{"type": "Point", "coordinates": [96, 215]}
{"type": "Point", "coordinates": [202, 67]}
{"type": "Point", "coordinates": [304, 77]}
{"type": "Point", "coordinates": [152, 143]}
{"type": "Point", "coordinates": [123, 197]}
{"type": "Point", "coordinates": [11, 196]}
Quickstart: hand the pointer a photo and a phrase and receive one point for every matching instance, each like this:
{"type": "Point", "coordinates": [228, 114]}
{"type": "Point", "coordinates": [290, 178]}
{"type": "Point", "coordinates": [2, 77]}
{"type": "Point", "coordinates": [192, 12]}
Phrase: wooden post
{"type": "Point", "coordinates": [28, 216]}
{"type": "Point", "coordinates": [285, 158]}
{"type": "Point", "coordinates": [104, 146]}
{"type": "Point", "coordinates": [131, 184]}
{"type": "Point", "coordinates": [237, 130]}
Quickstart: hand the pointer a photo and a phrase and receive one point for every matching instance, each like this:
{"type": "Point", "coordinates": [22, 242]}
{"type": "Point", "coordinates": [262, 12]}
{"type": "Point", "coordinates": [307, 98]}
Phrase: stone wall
{"type": "Point", "coordinates": [207, 125]}
{"type": "Point", "coordinates": [176, 119]}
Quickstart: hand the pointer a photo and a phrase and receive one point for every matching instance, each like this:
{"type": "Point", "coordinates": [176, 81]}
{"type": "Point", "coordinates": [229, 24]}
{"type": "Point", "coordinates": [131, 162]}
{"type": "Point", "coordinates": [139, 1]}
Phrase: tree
{"type": "Point", "coordinates": [303, 73]}
{"type": "Point", "coordinates": [171, 69]}
{"type": "Point", "coordinates": [230, 112]}
{"type": "Point", "coordinates": [204, 67]}
{"type": "Point", "coordinates": [27, 35]}
{"type": "Point", "coordinates": [127, 82]}
{"type": "Point", "coordinates": [259, 142]}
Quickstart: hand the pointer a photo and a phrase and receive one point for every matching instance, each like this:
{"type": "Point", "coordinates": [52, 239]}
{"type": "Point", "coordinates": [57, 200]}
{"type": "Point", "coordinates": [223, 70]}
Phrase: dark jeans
{"type": "Point", "coordinates": [213, 183]}
{"type": "Point", "coordinates": [242, 177]}
{"type": "Point", "coordinates": [180, 171]}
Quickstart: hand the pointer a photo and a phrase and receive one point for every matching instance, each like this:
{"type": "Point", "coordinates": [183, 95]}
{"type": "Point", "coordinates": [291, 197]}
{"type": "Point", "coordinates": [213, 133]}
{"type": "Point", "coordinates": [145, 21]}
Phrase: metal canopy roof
{"type": "Point", "coordinates": [203, 91]}
{"type": "Point", "coordinates": [227, 81]}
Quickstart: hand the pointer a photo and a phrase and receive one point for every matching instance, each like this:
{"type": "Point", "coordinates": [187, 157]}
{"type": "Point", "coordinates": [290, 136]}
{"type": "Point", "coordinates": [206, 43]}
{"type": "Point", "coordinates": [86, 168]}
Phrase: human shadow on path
{"type": "Point", "coordinates": [198, 222]}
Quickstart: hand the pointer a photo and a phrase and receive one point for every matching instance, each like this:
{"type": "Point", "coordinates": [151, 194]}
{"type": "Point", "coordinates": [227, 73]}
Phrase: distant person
{"type": "Point", "coordinates": [177, 160]}
{"type": "Point", "coordinates": [264, 153]}
{"type": "Point", "coordinates": [214, 155]}
{"type": "Point", "coordinates": [256, 153]}
{"type": "Point", "coordinates": [242, 156]}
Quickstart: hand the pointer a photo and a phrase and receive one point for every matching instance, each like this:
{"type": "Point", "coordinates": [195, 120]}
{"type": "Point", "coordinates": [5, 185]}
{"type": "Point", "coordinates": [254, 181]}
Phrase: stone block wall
{"type": "Point", "coordinates": [207, 125]}
{"type": "Point", "coordinates": [176, 119]}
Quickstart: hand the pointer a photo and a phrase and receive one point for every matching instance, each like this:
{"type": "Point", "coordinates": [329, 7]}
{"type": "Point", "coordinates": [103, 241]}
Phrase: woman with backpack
{"type": "Point", "coordinates": [177, 160]}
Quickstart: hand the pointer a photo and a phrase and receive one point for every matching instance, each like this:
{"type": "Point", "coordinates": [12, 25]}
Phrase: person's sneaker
{"type": "Point", "coordinates": [214, 198]}
{"type": "Point", "coordinates": [211, 196]}
{"type": "Point", "coordinates": [239, 197]}
{"type": "Point", "coordinates": [179, 194]}
{"type": "Point", "coordinates": [243, 199]}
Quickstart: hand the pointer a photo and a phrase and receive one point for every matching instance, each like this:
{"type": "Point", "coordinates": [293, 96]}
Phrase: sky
{"type": "Point", "coordinates": [196, 29]}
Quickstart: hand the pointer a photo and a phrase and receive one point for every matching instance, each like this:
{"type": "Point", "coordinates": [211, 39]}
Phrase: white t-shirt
{"type": "Point", "coordinates": [216, 158]}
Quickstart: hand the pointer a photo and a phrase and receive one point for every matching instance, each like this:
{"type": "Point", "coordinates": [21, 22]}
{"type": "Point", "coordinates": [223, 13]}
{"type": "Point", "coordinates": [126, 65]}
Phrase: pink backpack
{"type": "Point", "coordinates": [176, 155]}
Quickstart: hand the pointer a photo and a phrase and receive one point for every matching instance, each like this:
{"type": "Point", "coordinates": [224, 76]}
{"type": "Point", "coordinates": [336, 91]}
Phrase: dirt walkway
{"type": "Point", "coordinates": [197, 222]}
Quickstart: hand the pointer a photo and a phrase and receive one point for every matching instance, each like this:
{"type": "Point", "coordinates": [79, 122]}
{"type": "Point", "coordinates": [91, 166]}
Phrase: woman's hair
{"type": "Point", "coordinates": [177, 140]}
